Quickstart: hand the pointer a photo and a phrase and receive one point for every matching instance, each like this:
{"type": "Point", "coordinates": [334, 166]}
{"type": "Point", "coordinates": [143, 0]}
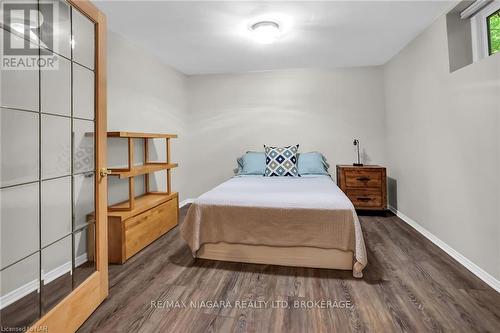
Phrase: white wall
{"type": "Point", "coordinates": [443, 145]}
{"type": "Point", "coordinates": [144, 95]}
{"type": "Point", "coordinates": [321, 110]}
{"type": "Point", "coordinates": [438, 133]}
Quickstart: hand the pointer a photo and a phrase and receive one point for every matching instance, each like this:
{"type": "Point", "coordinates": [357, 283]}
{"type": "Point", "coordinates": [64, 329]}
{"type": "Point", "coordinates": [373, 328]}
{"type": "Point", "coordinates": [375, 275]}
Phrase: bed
{"type": "Point", "coordinates": [290, 221]}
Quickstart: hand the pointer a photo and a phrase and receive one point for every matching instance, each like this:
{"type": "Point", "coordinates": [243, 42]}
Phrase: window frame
{"type": "Point", "coordinates": [479, 29]}
{"type": "Point", "coordinates": [488, 37]}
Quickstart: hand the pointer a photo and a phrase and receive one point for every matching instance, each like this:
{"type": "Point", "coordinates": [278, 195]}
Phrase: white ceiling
{"type": "Point", "coordinates": [213, 37]}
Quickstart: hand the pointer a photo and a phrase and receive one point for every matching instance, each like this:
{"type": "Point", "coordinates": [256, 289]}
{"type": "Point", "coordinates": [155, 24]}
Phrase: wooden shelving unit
{"type": "Point", "coordinates": [148, 167]}
{"type": "Point", "coordinates": [135, 223]}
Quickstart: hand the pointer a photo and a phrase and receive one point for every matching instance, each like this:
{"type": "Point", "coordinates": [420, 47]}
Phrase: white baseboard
{"type": "Point", "coordinates": [186, 202]}
{"type": "Point", "coordinates": [48, 277]}
{"type": "Point", "coordinates": [18, 293]}
{"type": "Point", "coordinates": [475, 269]}
{"type": "Point", "coordinates": [63, 269]}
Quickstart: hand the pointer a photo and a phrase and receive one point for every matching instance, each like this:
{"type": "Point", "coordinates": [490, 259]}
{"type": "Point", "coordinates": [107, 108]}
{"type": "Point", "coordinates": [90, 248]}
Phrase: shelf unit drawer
{"type": "Point", "coordinates": [363, 178]}
{"type": "Point", "coordinates": [129, 235]}
{"type": "Point", "coordinates": [365, 197]}
{"type": "Point", "coordinates": [143, 229]}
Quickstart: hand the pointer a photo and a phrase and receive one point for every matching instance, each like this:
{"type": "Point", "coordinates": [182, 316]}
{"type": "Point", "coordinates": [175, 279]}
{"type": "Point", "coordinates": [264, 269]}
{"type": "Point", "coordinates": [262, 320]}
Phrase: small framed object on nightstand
{"type": "Point", "coordinates": [366, 186]}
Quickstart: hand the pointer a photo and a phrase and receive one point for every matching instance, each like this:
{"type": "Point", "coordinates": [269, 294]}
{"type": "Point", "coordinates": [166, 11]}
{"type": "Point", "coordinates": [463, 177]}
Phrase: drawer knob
{"type": "Point", "coordinates": [363, 179]}
{"type": "Point", "coordinates": [363, 199]}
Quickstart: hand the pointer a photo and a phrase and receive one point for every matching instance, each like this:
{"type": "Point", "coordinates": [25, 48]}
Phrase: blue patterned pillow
{"type": "Point", "coordinates": [281, 161]}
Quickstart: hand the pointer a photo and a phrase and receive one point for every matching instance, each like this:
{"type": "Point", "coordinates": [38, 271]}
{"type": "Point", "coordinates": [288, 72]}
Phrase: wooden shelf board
{"type": "Point", "coordinates": [142, 169]}
{"type": "Point", "coordinates": [140, 135]}
{"type": "Point", "coordinates": [142, 203]}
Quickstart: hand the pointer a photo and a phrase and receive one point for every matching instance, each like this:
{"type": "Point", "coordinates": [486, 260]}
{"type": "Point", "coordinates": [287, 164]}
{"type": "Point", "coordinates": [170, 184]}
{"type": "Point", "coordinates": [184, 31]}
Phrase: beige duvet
{"type": "Point", "coordinates": [279, 212]}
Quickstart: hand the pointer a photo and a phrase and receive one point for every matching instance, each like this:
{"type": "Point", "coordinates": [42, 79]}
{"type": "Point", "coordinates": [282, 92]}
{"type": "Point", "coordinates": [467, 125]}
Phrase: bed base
{"type": "Point", "coordinates": [297, 256]}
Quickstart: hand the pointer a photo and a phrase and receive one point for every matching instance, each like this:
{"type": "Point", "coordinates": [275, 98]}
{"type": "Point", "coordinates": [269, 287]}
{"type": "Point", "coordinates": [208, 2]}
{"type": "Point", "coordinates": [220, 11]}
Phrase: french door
{"type": "Point", "coordinates": [53, 224]}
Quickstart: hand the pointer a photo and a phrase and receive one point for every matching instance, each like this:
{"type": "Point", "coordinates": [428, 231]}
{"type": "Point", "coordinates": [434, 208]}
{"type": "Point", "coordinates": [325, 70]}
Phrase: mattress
{"type": "Point", "coordinates": [279, 212]}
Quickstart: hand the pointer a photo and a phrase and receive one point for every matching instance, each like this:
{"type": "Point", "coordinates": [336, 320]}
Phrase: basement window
{"type": "Point", "coordinates": [485, 28]}
{"type": "Point", "coordinates": [473, 29]}
{"type": "Point", "coordinates": [493, 32]}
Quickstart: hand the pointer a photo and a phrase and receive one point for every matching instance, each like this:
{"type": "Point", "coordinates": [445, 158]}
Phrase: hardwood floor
{"type": "Point", "coordinates": [409, 285]}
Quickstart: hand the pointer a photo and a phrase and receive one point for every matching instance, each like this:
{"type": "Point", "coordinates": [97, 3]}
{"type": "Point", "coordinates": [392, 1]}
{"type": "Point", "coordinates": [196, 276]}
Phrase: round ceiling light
{"type": "Point", "coordinates": [266, 32]}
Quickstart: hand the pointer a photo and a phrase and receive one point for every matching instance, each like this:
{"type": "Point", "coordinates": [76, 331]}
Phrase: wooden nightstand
{"type": "Point", "coordinates": [366, 186]}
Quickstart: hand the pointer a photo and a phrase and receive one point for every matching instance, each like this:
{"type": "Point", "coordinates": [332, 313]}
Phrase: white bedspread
{"type": "Point", "coordinates": [315, 210]}
{"type": "Point", "coordinates": [318, 192]}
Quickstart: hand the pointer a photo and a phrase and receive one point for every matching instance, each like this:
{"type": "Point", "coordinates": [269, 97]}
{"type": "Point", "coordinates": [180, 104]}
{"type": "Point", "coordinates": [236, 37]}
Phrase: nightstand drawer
{"type": "Point", "coordinates": [362, 198]}
{"type": "Point", "coordinates": [363, 178]}
{"type": "Point", "coordinates": [365, 186]}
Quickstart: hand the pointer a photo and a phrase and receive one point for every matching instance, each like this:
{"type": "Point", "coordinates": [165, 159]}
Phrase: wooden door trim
{"type": "Point", "coordinates": [69, 314]}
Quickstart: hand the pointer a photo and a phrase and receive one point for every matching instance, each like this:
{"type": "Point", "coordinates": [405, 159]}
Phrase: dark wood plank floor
{"type": "Point", "coordinates": [409, 285]}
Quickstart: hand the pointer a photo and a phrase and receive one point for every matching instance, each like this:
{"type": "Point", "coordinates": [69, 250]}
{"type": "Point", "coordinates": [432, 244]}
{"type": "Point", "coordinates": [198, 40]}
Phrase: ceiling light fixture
{"type": "Point", "coordinates": [266, 32]}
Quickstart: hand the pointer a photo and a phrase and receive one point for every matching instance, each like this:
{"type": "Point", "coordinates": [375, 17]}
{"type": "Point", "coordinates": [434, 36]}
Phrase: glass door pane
{"type": "Point", "coordinates": [19, 189]}
{"type": "Point", "coordinates": [83, 253]}
{"type": "Point", "coordinates": [83, 151]}
{"type": "Point", "coordinates": [56, 273]}
{"type": "Point", "coordinates": [19, 289]}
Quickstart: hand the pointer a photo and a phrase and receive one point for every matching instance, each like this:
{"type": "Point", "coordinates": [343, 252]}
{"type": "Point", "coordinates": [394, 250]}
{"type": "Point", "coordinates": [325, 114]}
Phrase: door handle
{"type": "Point", "coordinates": [104, 172]}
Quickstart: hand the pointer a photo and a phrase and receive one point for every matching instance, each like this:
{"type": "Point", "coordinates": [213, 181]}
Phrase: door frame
{"type": "Point", "coordinates": [70, 313]}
